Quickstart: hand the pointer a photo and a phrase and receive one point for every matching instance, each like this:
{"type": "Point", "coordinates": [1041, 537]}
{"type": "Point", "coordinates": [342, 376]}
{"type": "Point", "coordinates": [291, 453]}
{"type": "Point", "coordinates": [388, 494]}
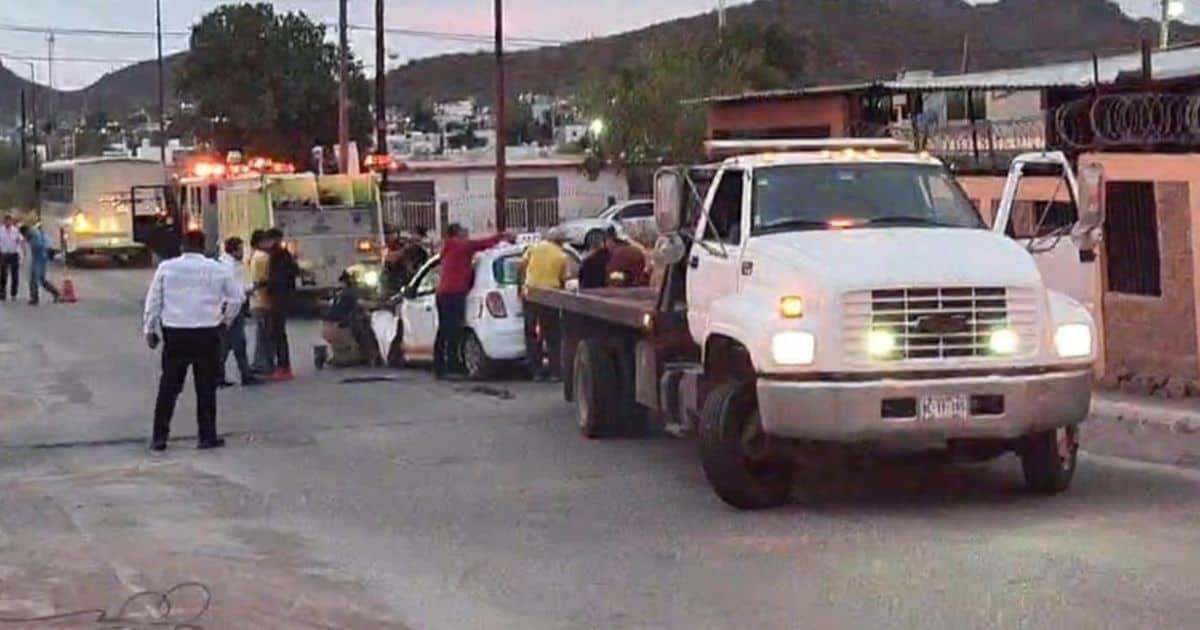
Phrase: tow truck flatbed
{"type": "Point", "coordinates": [623, 306]}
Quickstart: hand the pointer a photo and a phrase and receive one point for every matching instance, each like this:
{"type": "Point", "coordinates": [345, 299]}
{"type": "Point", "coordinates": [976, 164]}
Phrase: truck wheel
{"type": "Point", "coordinates": [1048, 459]}
{"type": "Point", "coordinates": [635, 420]}
{"type": "Point", "coordinates": [596, 390]}
{"type": "Point", "coordinates": [733, 451]}
{"type": "Point", "coordinates": [478, 364]}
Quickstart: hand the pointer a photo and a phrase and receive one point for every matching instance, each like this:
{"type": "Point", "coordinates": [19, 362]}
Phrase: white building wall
{"type": "Point", "coordinates": [469, 193]}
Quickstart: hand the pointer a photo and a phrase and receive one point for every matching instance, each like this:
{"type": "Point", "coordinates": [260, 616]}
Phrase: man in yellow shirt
{"type": "Point", "coordinates": [260, 305]}
{"type": "Point", "coordinates": [545, 265]}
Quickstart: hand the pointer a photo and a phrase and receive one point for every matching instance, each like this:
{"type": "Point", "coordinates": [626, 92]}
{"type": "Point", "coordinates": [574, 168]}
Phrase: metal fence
{"type": "Point", "coordinates": [1132, 120]}
{"type": "Point", "coordinates": [402, 214]}
{"type": "Point", "coordinates": [531, 214]}
{"type": "Point", "coordinates": [478, 212]}
{"type": "Point", "coordinates": [983, 143]}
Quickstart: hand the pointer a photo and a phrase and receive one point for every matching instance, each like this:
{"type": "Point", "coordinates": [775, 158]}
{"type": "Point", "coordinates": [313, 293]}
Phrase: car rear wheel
{"type": "Point", "coordinates": [594, 239]}
{"type": "Point", "coordinates": [478, 364]}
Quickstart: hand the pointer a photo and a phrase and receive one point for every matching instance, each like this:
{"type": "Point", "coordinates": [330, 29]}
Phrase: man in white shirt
{"type": "Point", "coordinates": [190, 300]}
{"type": "Point", "coordinates": [234, 339]}
{"type": "Point", "coordinates": [10, 256]}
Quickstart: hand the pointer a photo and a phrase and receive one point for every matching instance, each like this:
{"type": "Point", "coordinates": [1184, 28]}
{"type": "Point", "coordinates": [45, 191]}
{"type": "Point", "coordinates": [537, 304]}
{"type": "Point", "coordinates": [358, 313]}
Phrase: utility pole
{"type": "Point", "coordinates": [1164, 24]}
{"type": "Point", "coordinates": [50, 104]}
{"type": "Point", "coordinates": [498, 107]}
{"type": "Point", "coordinates": [343, 114]}
{"type": "Point", "coordinates": [162, 99]}
{"type": "Point", "coordinates": [381, 145]}
{"type": "Point", "coordinates": [721, 17]}
{"type": "Point", "coordinates": [24, 132]}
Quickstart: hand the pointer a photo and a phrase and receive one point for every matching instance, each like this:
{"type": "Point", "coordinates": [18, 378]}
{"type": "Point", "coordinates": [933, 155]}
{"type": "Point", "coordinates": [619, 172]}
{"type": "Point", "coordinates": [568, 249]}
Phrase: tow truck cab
{"type": "Point", "coordinates": [857, 296]}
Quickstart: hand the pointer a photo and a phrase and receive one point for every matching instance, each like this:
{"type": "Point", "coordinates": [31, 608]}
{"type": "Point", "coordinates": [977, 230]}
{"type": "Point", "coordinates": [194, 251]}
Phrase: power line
{"type": "Point", "coordinates": [89, 32]}
{"type": "Point", "coordinates": [411, 32]}
{"type": "Point", "coordinates": [58, 58]}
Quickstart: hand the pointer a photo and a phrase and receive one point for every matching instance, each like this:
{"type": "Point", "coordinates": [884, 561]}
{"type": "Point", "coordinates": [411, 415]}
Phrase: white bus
{"type": "Point", "coordinates": [87, 205]}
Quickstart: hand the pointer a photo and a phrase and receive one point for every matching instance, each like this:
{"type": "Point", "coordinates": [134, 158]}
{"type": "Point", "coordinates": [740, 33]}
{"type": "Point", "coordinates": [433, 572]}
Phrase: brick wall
{"type": "Point", "coordinates": [830, 110]}
{"type": "Point", "coordinates": [1153, 338]}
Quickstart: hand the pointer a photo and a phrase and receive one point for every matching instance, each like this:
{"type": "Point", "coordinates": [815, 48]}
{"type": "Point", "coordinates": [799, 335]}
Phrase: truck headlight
{"type": "Point", "coordinates": [793, 348]}
{"type": "Point", "coordinates": [370, 278]}
{"type": "Point", "coordinates": [791, 306]}
{"type": "Point", "coordinates": [80, 223]}
{"type": "Point", "coordinates": [1003, 341]}
{"type": "Point", "coordinates": [1073, 340]}
{"type": "Point", "coordinates": [881, 343]}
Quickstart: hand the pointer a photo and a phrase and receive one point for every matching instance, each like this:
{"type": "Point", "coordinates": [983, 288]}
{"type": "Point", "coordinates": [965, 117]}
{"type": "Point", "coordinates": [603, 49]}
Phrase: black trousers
{"type": "Point", "coordinates": [542, 341]}
{"type": "Point", "coordinates": [279, 338]}
{"type": "Point", "coordinates": [10, 271]}
{"type": "Point", "coordinates": [452, 316]}
{"type": "Point", "coordinates": [199, 349]}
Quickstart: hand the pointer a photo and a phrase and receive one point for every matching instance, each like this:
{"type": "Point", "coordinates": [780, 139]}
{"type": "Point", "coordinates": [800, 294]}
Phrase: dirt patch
{"type": "Point", "coordinates": [14, 407]}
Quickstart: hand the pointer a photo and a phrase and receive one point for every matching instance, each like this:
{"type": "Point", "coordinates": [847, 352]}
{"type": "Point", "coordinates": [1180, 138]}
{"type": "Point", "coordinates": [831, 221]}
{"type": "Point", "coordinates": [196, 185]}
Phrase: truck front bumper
{"type": "Point", "coordinates": [1001, 407]}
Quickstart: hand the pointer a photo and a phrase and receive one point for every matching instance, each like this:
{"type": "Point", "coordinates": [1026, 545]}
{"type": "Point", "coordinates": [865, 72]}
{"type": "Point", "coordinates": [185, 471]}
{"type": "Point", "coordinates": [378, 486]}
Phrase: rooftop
{"type": "Point", "coordinates": [1165, 65]}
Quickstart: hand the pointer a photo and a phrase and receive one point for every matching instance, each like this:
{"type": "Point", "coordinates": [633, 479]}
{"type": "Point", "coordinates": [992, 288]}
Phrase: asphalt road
{"type": "Point", "coordinates": [408, 503]}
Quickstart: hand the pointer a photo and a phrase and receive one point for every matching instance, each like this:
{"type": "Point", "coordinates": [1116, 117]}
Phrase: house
{"type": "Point", "coordinates": [542, 191]}
{"type": "Point", "coordinates": [975, 121]}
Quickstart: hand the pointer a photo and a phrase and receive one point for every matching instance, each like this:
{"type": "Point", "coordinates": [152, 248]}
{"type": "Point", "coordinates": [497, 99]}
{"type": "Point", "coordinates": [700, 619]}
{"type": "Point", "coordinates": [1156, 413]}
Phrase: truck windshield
{"type": "Point", "coordinates": [841, 196]}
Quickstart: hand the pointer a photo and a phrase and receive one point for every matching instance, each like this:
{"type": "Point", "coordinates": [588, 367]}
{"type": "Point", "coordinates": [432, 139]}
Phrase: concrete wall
{"type": "Point", "coordinates": [802, 111]}
{"type": "Point", "coordinates": [1150, 339]}
{"type": "Point", "coordinates": [469, 192]}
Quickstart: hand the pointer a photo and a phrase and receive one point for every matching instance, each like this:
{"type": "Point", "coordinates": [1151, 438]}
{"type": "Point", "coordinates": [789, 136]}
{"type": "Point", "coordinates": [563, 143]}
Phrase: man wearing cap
{"type": "Point", "coordinates": [544, 265]}
{"type": "Point", "coordinates": [191, 300]}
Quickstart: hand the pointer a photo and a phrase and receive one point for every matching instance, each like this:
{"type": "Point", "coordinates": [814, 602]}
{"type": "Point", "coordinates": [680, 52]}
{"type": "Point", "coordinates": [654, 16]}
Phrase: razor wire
{"type": "Point", "coordinates": [1129, 120]}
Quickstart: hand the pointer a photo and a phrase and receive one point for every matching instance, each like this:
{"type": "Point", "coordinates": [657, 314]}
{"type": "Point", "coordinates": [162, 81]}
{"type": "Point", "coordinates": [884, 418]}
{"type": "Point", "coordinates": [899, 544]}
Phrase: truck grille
{"type": "Point", "coordinates": [938, 323]}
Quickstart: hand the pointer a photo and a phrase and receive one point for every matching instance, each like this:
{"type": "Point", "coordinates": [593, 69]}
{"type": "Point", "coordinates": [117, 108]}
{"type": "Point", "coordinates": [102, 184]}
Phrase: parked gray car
{"type": "Point", "coordinates": [635, 218]}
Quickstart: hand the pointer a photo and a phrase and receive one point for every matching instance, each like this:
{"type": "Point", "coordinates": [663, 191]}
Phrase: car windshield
{"type": "Point", "coordinates": [823, 196]}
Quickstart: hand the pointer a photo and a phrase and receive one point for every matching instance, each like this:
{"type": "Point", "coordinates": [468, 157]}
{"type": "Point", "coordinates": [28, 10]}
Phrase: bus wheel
{"type": "Point", "coordinates": [734, 454]}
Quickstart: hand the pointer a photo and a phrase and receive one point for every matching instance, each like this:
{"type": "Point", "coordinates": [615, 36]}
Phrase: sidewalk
{"type": "Point", "coordinates": [1160, 430]}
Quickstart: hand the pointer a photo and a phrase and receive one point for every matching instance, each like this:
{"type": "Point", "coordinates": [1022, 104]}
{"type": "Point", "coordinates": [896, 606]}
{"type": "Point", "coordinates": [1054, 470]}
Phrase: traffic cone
{"type": "Point", "coordinates": [68, 291]}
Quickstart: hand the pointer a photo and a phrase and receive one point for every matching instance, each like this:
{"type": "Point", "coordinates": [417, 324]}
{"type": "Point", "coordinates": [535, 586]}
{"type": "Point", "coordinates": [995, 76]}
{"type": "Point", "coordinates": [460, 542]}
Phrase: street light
{"type": "Point", "coordinates": [597, 127]}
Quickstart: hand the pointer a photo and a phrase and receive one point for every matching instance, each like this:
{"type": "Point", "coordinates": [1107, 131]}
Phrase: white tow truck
{"type": "Point", "coordinates": [820, 295]}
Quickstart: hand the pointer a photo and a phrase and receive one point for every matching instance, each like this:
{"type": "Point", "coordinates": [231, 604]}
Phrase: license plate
{"type": "Point", "coordinates": [956, 407]}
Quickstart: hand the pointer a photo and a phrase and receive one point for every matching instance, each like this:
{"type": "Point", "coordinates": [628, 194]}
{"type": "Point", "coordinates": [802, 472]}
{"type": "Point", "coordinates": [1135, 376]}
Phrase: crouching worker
{"type": "Point", "coordinates": [343, 328]}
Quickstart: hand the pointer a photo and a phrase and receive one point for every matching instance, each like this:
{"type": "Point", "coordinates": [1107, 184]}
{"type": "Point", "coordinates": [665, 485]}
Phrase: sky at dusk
{"type": "Point", "coordinates": [83, 59]}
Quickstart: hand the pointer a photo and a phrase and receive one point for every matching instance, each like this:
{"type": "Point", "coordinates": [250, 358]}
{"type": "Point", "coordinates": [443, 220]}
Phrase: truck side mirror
{"type": "Point", "coordinates": [1091, 206]}
{"type": "Point", "coordinates": [669, 188]}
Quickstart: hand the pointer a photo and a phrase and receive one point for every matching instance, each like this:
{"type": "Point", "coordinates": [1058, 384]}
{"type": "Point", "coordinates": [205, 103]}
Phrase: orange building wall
{"type": "Point", "coordinates": [826, 109]}
{"type": "Point", "coordinates": [1177, 193]}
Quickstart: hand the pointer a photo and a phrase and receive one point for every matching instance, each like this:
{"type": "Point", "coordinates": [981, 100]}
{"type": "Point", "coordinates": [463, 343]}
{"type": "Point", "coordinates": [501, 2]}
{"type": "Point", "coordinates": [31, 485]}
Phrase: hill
{"type": "Point", "coordinates": [118, 91]}
{"type": "Point", "coordinates": [845, 40]}
{"type": "Point", "coordinates": [842, 39]}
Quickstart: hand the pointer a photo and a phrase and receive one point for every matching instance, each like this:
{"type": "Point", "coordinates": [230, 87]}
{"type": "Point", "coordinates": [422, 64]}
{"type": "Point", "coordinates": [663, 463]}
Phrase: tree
{"type": "Point", "coordinates": [268, 82]}
{"type": "Point", "coordinates": [422, 117]}
{"type": "Point", "coordinates": [650, 108]}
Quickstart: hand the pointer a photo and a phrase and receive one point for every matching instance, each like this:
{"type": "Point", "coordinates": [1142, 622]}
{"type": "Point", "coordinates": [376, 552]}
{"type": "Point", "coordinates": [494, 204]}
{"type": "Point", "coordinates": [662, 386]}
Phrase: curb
{"type": "Point", "coordinates": [1177, 420]}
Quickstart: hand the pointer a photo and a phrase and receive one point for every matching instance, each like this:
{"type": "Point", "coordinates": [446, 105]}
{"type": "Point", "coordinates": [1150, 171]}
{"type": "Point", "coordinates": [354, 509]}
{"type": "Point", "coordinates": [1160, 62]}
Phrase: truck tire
{"type": "Point", "coordinates": [596, 390]}
{"type": "Point", "coordinates": [635, 419]}
{"type": "Point", "coordinates": [1048, 459]}
{"type": "Point", "coordinates": [730, 429]}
